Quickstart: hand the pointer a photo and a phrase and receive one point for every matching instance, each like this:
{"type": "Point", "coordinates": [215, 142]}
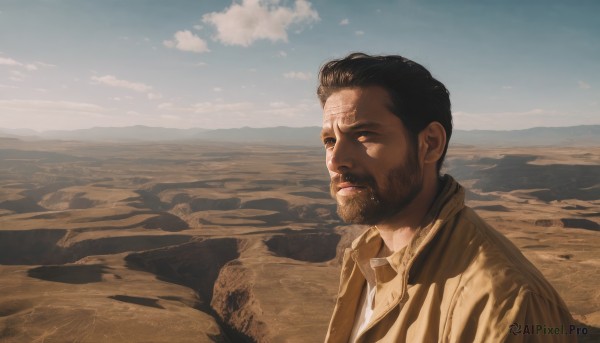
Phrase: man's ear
{"type": "Point", "coordinates": [433, 142]}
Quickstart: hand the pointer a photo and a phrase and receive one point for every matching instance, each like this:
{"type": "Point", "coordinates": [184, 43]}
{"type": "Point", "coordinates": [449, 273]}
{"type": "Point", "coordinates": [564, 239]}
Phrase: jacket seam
{"type": "Point", "coordinates": [454, 303]}
{"type": "Point", "coordinates": [460, 286]}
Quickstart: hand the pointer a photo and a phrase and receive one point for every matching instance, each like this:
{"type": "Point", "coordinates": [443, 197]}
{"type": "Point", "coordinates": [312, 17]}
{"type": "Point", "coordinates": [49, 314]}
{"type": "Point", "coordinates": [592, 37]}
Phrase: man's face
{"type": "Point", "coordinates": [372, 161]}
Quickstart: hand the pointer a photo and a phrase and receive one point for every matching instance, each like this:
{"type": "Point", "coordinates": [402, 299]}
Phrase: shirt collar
{"type": "Point", "coordinates": [449, 201]}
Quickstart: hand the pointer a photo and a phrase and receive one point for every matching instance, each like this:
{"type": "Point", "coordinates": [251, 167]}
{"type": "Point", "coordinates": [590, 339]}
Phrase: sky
{"type": "Point", "coordinates": [73, 64]}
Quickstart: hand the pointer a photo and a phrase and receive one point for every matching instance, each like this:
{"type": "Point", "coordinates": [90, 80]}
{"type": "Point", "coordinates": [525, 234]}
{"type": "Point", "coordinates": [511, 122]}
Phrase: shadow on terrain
{"type": "Point", "coordinates": [137, 300]}
{"type": "Point", "coordinates": [40, 246]}
{"type": "Point", "coordinates": [556, 181]}
{"type": "Point", "coordinates": [195, 264]}
{"type": "Point", "coordinates": [73, 274]}
{"type": "Point", "coordinates": [309, 247]}
{"type": "Point", "coordinates": [569, 223]}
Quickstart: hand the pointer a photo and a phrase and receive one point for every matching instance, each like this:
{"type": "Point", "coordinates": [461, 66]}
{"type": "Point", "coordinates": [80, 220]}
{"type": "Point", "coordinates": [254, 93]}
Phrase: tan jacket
{"type": "Point", "coordinates": [459, 280]}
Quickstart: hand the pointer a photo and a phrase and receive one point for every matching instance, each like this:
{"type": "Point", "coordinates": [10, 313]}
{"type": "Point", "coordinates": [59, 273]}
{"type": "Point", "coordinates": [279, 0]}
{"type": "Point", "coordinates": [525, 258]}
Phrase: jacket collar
{"type": "Point", "coordinates": [449, 201]}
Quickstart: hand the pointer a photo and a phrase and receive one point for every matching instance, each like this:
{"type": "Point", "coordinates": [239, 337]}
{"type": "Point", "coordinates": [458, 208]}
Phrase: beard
{"type": "Point", "coordinates": [374, 204]}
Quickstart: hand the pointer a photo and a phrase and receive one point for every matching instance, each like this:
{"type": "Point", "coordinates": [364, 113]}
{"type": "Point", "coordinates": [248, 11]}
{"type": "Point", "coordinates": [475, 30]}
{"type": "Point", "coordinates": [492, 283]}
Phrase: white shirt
{"type": "Point", "coordinates": [363, 315]}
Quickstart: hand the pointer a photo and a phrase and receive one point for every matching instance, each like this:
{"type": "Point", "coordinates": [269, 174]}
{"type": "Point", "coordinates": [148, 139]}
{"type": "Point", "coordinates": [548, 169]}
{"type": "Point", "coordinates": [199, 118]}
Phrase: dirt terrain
{"type": "Point", "coordinates": [201, 242]}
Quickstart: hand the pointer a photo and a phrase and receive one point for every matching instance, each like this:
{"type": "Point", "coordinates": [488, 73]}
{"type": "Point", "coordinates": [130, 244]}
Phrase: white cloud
{"type": "Point", "coordinates": [198, 27]}
{"type": "Point", "coordinates": [187, 41]}
{"type": "Point", "coordinates": [154, 96]}
{"type": "Point", "coordinates": [278, 104]}
{"type": "Point", "coordinates": [9, 62]}
{"type": "Point", "coordinates": [221, 114]}
{"type": "Point", "coordinates": [170, 117]}
{"type": "Point", "coordinates": [215, 107]}
{"type": "Point", "coordinates": [165, 105]}
{"type": "Point", "coordinates": [584, 85]}
{"type": "Point", "coordinates": [217, 89]}
{"type": "Point", "coordinates": [298, 75]}
{"type": "Point", "coordinates": [345, 21]}
{"type": "Point", "coordinates": [16, 75]}
{"type": "Point", "coordinates": [47, 106]}
{"type": "Point", "coordinates": [282, 113]}
{"type": "Point", "coordinates": [282, 53]}
{"type": "Point", "coordinates": [252, 20]}
{"type": "Point", "coordinates": [208, 107]}
{"type": "Point", "coordinates": [43, 64]}
{"type": "Point", "coordinates": [110, 80]}
{"type": "Point", "coordinates": [359, 33]}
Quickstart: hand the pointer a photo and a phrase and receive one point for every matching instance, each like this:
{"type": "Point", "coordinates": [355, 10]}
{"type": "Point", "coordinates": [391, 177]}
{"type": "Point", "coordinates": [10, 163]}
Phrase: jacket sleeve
{"type": "Point", "coordinates": [541, 320]}
{"type": "Point", "coordinates": [519, 318]}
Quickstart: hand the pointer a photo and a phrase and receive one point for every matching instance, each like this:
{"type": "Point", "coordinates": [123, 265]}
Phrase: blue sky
{"type": "Point", "coordinates": [69, 64]}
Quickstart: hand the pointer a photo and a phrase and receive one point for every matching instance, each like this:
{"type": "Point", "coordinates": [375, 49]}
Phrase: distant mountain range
{"type": "Point", "coordinates": [128, 133]}
{"type": "Point", "coordinates": [584, 135]}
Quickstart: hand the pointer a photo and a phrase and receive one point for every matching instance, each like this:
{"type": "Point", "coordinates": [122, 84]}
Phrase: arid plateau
{"type": "Point", "coordinates": [223, 242]}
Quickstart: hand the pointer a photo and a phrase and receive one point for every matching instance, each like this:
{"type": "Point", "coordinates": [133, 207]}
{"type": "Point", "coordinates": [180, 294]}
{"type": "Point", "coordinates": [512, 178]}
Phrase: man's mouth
{"type": "Point", "coordinates": [347, 188]}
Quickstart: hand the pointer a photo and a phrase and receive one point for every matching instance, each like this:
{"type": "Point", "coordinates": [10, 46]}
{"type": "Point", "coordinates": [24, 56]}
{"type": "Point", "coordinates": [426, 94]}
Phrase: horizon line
{"type": "Point", "coordinates": [266, 127]}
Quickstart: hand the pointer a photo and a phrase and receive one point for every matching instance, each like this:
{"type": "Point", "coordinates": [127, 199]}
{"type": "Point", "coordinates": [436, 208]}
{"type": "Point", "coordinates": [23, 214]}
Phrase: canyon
{"type": "Point", "coordinates": [223, 242]}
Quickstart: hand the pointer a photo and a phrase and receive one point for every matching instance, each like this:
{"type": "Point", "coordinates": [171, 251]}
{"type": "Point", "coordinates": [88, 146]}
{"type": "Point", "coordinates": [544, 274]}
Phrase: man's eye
{"type": "Point", "coordinates": [328, 142]}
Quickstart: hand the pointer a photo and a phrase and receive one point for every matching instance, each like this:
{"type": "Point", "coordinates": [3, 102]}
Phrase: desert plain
{"type": "Point", "coordinates": [217, 242]}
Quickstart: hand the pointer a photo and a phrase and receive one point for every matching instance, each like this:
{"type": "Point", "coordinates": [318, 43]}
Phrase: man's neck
{"type": "Point", "coordinates": [399, 230]}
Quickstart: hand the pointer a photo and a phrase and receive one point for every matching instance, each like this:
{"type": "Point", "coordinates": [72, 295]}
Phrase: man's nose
{"type": "Point", "coordinates": [340, 158]}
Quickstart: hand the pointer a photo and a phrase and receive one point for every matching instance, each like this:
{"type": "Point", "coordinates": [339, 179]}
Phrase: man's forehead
{"type": "Point", "coordinates": [350, 105]}
{"type": "Point", "coordinates": [340, 112]}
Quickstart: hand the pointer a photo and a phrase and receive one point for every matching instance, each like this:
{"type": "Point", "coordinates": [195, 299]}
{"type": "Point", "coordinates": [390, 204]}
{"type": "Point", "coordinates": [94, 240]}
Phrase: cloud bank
{"type": "Point", "coordinates": [7, 61]}
{"type": "Point", "coordinates": [252, 20]}
{"type": "Point", "coordinates": [110, 80]}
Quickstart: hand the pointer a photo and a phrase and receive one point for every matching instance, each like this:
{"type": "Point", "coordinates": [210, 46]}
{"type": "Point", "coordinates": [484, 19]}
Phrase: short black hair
{"type": "Point", "coordinates": [417, 98]}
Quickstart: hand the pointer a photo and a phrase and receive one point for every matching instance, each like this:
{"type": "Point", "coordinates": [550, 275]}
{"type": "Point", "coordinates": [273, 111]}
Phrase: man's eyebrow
{"type": "Point", "coordinates": [365, 125]}
{"type": "Point", "coordinates": [369, 125]}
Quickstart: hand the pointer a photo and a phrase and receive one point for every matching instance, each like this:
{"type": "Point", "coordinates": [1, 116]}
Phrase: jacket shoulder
{"type": "Point", "coordinates": [496, 257]}
{"type": "Point", "coordinates": [500, 286]}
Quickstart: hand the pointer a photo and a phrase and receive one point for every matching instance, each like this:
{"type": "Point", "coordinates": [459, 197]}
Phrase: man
{"type": "Point", "coordinates": [428, 269]}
